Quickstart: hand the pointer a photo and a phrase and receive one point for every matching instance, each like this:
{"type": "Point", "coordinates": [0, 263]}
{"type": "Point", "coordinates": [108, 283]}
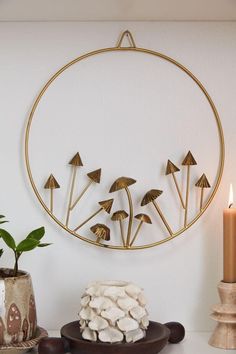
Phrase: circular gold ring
{"type": "Point", "coordinates": [202, 88]}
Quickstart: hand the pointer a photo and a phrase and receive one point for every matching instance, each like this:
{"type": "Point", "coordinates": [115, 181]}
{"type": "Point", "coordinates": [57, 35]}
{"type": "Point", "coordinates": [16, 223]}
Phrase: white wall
{"type": "Point", "coordinates": [179, 277]}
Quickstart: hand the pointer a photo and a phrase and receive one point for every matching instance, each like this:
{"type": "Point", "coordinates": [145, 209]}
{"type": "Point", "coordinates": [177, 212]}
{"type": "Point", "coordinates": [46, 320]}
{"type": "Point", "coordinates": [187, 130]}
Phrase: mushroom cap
{"type": "Point", "coordinates": [144, 218]}
{"type": "Point", "coordinates": [119, 215]}
{"type": "Point", "coordinates": [101, 231]}
{"type": "Point", "coordinates": [150, 196]}
{"type": "Point", "coordinates": [189, 160]}
{"type": "Point", "coordinates": [203, 182]}
{"type": "Point", "coordinates": [51, 183]}
{"type": "Point", "coordinates": [121, 182]}
{"type": "Point", "coordinates": [76, 160]}
{"type": "Point", "coordinates": [106, 205]}
{"type": "Point", "coordinates": [171, 168]}
{"type": "Point", "coordinates": [95, 176]}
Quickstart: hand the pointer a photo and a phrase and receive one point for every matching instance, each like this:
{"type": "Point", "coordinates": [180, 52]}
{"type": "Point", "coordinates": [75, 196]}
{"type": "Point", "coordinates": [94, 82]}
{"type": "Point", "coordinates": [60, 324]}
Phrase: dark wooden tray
{"type": "Point", "coordinates": [156, 339]}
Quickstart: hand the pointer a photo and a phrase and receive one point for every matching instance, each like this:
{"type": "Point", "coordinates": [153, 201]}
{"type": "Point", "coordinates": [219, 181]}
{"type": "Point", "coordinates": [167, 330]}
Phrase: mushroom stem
{"type": "Point", "coordinates": [178, 190]}
{"type": "Point", "coordinates": [85, 221]}
{"type": "Point", "coordinates": [187, 195]}
{"type": "Point", "coordinates": [201, 198]}
{"type": "Point", "coordinates": [122, 232]}
{"type": "Point", "coordinates": [98, 239]}
{"type": "Point", "coordinates": [81, 195]}
{"type": "Point", "coordinates": [71, 194]}
{"type": "Point", "coordinates": [51, 200]}
{"type": "Point", "coordinates": [162, 217]}
{"type": "Point", "coordinates": [131, 214]}
{"type": "Point", "coordinates": [136, 233]}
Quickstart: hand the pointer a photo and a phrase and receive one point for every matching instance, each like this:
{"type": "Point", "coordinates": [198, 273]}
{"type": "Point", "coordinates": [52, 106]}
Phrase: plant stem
{"type": "Point", "coordinates": [17, 256]}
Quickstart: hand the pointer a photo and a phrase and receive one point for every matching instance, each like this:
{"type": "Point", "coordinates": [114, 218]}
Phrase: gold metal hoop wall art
{"type": "Point", "coordinates": [100, 233]}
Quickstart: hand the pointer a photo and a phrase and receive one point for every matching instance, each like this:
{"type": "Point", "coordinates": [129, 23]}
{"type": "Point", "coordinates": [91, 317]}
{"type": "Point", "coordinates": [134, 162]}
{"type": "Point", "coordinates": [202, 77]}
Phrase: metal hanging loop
{"type": "Point", "coordinates": [130, 38]}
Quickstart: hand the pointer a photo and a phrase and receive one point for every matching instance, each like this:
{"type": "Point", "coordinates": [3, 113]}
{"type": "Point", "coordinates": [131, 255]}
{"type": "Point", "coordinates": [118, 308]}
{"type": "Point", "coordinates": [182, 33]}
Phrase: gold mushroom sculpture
{"type": "Point", "coordinates": [101, 231]}
{"type": "Point", "coordinates": [171, 169]}
{"type": "Point", "coordinates": [124, 183]}
{"type": "Point", "coordinates": [105, 205]}
{"type": "Point", "coordinates": [94, 177]}
{"type": "Point", "coordinates": [51, 184]}
{"type": "Point", "coordinates": [143, 218]}
{"type": "Point", "coordinates": [202, 183]}
{"type": "Point", "coordinates": [75, 163]}
{"type": "Point", "coordinates": [150, 197]}
{"type": "Point", "coordinates": [120, 215]}
{"type": "Point", "coordinates": [188, 161]}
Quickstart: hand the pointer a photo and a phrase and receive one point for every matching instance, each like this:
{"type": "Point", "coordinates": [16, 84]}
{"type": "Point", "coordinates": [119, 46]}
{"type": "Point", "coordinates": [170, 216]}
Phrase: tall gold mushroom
{"type": "Point", "coordinates": [124, 183]}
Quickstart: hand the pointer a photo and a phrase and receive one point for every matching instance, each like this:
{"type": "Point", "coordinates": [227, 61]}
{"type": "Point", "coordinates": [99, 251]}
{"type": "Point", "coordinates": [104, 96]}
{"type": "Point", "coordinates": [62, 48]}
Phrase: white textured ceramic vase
{"type": "Point", "coordinates": [113, 312]}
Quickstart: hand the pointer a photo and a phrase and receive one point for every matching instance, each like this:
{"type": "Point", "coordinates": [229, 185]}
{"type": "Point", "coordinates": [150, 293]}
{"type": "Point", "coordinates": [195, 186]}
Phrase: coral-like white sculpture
{"type": "Point", "coordinates": [112, 312]}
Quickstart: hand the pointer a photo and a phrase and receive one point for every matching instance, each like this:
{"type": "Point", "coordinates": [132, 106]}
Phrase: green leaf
{"type": "Point", "coordinates": [3, 222]}
{"type": "Point", "coordinates": [27, 245]}
{"type": "Point", "coordinates": [1, 252]}
{"type": "Point", "coordinates": [2, 216]}
{"type": "Point", "coordinates": [44, 244]}
{"type": "Point", "coordinates": [36, 234]}
{"type": "Point", "coordinates": [8, 239]}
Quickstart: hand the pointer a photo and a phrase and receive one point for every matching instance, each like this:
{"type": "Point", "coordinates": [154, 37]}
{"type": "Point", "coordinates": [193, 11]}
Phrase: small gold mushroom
{"type": "Point", "coordinates": [51, 184]}
{"type": "Point", "coordinates": [144, 218]}
{"type": "Point", "coordinates": [188, 161]}
{"type": "Point", "coordinates": [124, 183]}
{"type": "Point", "coordinates": [94, 177]}
{"type": "Point", "coordinates": [105, 205]}
{"type": "Point", "coordinates": [150, 197]}
{"type": "Point", "coordinates": [120, 215]}
{"type": "Point", "coordinates": [202, 183]}
{"type": "Point", "coordinates": [101, 231]}
{"type": "Point", "coordinates": [172, 169]}
{"type": "Point", "coordinates": [75, 162]}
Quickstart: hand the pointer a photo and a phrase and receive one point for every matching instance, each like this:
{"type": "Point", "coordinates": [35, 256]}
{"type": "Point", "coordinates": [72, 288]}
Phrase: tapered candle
{"type": "Point", "coordinates": [230, 241]}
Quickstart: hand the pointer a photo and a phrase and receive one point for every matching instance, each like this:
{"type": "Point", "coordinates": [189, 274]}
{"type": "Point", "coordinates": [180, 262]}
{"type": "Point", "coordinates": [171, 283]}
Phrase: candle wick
{"type": "Point", "coordinates": [230, 205]}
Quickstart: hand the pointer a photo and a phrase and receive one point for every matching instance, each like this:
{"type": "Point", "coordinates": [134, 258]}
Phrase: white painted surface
{"type": "Point", "coordinates": [179, 278]}
{"type": "Point", "coordinates": [117, 10]}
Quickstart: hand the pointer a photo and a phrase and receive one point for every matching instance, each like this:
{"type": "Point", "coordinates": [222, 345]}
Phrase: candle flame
{"type": "Point", "coordinates": [231, 196]}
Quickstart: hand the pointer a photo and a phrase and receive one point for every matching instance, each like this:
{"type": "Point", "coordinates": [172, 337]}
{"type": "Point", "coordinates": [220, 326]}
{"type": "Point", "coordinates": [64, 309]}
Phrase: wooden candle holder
{"type": "Point", "coordinates": [224, 335]}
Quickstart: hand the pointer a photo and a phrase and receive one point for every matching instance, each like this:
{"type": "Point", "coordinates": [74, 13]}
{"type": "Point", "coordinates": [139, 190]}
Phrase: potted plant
{"type": "Point", "coordinates": [18, 320]}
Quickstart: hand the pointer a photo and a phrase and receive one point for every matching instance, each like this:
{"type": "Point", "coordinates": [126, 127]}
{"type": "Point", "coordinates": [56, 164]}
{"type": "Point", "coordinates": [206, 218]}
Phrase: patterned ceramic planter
{"type": "Point", "coordinates": [18, 320]}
